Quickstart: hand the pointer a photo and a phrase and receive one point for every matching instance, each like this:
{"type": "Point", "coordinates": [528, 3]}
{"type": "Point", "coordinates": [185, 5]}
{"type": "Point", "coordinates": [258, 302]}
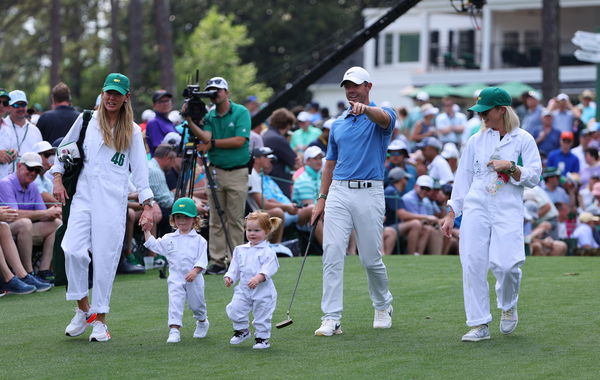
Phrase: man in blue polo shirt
{"type": "Point", "coordinates": [352, 198]}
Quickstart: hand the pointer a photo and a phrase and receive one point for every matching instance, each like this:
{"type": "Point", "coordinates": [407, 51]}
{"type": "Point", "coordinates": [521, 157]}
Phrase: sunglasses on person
{"type": "Point", "coordinates": [214, 81]}
{"type": "Point", "coordinates": [425, 188]}
{"type": "Point", "coordinates": [35, 169]}
{"type": "Point", "coordinates": [19, 105]}
{"type": "Point", "coordinates": [484, 113]}
{"type": "Point", "coordinates": [47, 154]}
{"type": "Point", "coordinates": [395, 153]}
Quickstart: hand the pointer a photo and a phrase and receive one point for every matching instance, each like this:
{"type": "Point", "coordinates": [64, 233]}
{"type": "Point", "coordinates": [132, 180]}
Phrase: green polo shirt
{"type": "Point", "coordinates": [236, 122]}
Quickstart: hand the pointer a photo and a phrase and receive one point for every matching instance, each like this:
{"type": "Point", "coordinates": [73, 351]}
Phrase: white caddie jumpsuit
{"type": "Point", "coordinates": [247, 262]}
{"type": "Point", "coordinates": [491, 231]}
{"type": "Point", "coordinates": [184, 252]}
{"type": "Point", "coordinates": [98, 211]}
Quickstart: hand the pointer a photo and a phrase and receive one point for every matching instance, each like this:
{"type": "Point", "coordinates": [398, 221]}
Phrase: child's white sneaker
{"type": "Point", "coordinates": [100, 332]}
{"type": "Point", "coordinates": [201, 329]}
{"type": "Point", "coordinates": [261, 344]}
{"type": "Point", "coordinates": [329, 327]}
{"type": "Point", "coordinates": [174, 336]}
{"type": "Point", "coordinates": [79, 323]}
{"type": "Point", "coordinates": [239, 336]}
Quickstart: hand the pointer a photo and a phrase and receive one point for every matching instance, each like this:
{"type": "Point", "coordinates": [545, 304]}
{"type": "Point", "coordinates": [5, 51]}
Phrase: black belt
{"type": "Point", "coordinates": [233, 168]}
{"type": "Point", "coordinates": [355, 184]}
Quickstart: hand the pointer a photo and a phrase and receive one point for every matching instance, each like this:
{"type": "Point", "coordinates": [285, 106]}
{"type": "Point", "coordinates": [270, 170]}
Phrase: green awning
{"type": "Point", "coordinates": [515, 89]}
{"type": "Point", "coordinates": [468, 90]}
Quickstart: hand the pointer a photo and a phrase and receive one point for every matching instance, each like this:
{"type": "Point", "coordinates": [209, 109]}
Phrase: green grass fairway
{"type": "Point", "coordinates": [557, 337]}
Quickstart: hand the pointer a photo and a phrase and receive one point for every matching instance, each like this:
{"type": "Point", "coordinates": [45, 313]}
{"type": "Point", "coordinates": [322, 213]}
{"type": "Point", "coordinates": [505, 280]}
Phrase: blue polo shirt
{"type": "Point", "coordinates": [359, 146]}
{"type": "Point", "coordinates": [568, 163]}
{"type": "Point", "coordinates": [13, 195]}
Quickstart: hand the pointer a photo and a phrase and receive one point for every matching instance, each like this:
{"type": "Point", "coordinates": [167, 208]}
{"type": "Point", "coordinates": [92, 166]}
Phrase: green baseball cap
{"type": "Point", "coordinates": [491, 97]}
{"type": "Point", "coordinates": [117, 82]}
{"type": "Point", "coordinates": [185, 206]}
{"type": "Point", "coordinates": [3, 92]}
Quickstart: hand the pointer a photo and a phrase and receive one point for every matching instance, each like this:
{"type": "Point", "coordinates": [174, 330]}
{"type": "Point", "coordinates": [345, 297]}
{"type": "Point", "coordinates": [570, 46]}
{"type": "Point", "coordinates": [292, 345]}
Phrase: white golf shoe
{"type": "Point", "coordinates": [201, 329]}
{"type": "Point", "coordinates": [383, 318]}
{"type": "Point", "coordinates": [79, 323]}
{"type": "Point", "coordinates": [477, 333]}
{"type": "Point", "coordinates": [99, 332]}
{"type": "Point", "coordinates": [329, 327]}
{"type": "Point", "coordinates": [261, 344]}
{"type": "Point", "coordinates": [239, 336]}
{"type": "Point", "coordinates": [509, 320]}
{"type": "Point", "coordinates": [174, 336]}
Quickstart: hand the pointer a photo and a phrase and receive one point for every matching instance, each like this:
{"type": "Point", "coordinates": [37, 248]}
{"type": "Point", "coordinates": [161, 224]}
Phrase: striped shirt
{"type": "Point", "coordinates": [158, 184]}
{"type": "Point", "coordinates": [307, 185]}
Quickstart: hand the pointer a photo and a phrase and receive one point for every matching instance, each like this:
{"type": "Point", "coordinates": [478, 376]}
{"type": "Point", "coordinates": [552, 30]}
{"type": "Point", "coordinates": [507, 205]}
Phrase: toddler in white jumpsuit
{"type": "Point", "coordinates": [185, 251]}
{"type": "Point", "coordinates": [253, 264]}
{"type": "Point", "coordinates": [496, 165]}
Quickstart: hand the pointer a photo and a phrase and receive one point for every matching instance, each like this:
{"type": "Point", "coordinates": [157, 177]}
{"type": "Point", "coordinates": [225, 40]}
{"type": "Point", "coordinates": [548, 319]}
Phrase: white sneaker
{"type": "Point", "coordinates": [99, 333]}
{"type": "Point", "coordinates": [239, 336]}
{"type": "Point", "coordinates": [383, 318]}
{"type": "Point", "coordinates": [174, 336]}
{"type": "Point", "coordinates": [476, 334]}
{"type": "Point", "coordinates": [261, 344]}
{"type": "Point", "coordinates": [201, 329]}
{"type": "Point", "coordinates": [79, 323]}
{"type": "Point", "coordinates": [509, 320]}
{"type": "Point", "coordinates": [329, 327]}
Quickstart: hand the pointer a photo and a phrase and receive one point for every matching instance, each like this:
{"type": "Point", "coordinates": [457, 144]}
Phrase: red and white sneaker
{"type": "Point", "coordinates": [100, 332]}
{"type": "Point", "coordinates": [79, 323]}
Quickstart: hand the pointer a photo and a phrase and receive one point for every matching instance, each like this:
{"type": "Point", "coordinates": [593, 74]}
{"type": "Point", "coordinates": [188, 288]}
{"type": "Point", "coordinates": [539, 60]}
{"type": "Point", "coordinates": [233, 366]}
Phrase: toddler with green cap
{"type": "Point", "coordinates": [185, 251]}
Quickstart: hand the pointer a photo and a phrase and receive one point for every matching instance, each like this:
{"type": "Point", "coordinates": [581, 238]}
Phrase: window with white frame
{"type": "Point", "coordinates": [408, 47]}
{"type": "Point", "coordinates": [388, 48]}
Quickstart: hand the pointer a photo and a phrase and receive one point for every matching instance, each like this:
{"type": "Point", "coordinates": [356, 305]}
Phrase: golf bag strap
{"type": "Point", "coordinates": [87, 116]}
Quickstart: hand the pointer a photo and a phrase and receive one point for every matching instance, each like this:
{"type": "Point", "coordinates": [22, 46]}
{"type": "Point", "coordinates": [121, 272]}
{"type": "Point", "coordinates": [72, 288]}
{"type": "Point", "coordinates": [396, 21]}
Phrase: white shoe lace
{"type": "Point", "coordinates": [381, 315]}
{"type": "Point", "coordinates": [508, 314]}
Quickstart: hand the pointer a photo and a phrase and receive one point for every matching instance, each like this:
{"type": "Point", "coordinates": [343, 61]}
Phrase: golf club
{"type": "Point", "coordinates": [289, 320]}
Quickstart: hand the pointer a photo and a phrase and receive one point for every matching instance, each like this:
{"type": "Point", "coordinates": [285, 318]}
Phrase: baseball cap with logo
{"type": "Point", "coordinates": [562, 96]}
{"type": "Point", "coordinates": [397, 145]}
{"type": "Point", "coordinates": [425, 181]}
{"type": "Point", "coordinates": [491, 97]}
{"type": "Point", "coordinates": [31, 159]}
{"type": "Point", "coordinates": [216, 82]}
{"type": "Point", "coordinates": [312, 152]}
{"type": "Point", "coordinates": [17, 96]}
{"type": "Point", "coordinates": [185, 206]}
{"type": "Point", "coordinates": [356, 75]}
{"type": "Point", "coordinates": [117, 82]}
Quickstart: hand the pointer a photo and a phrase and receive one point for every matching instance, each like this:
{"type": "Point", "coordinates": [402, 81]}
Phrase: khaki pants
{"type": "Point", "coordinates": [231, 190]}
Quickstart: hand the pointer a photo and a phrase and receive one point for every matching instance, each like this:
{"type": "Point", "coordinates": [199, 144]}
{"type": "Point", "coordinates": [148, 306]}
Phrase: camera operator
{"type": "Point", "coordinates": [225, 137]}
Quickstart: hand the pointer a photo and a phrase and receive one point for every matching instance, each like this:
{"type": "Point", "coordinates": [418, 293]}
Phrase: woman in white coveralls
{"type": "Point", "coordinates": [113, 146]}
{"type": "Point", "coordinates": [496, 165]}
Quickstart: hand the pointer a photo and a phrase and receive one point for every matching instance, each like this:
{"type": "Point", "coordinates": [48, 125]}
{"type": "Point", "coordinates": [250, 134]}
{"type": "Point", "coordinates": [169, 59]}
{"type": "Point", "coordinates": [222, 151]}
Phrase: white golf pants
{"type": "Point", "coordinates": [261, 302]}
{"type": "Point", "coordinates": [362, 210]}
{"type": "Point", "coordinates": [179, 291]}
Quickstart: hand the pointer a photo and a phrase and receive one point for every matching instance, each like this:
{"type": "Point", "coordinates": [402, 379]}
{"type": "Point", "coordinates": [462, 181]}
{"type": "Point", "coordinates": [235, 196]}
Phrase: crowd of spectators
{"type": "Point", "coordinates": [287, 153]}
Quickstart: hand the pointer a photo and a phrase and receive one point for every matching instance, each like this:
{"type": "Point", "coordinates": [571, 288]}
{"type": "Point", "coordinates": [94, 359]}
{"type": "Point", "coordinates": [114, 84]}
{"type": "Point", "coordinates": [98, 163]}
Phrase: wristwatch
{"type": "Point", "coordinates": [512, 169]}
{"type": "Point", "coordinates": [321, 195]}
{"type": "Point", "coordinates": [448, 209]}
{"type": "Point", "coordinates": [149, 202]}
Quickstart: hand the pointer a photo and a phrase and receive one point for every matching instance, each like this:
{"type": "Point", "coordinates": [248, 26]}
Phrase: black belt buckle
{"type": "Point", "coordinates": [354, 184]}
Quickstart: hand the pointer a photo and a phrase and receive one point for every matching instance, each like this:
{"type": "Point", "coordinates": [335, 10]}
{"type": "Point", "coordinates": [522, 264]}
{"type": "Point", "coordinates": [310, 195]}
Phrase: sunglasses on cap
{"type": "Point", "coordinates": [214, 81]}
{"type": "Point", "coordinates": [36, 169]}
{"type": "Point", "coordinates": [5, 103]}
{"type": "Point", "coordinates": [19, 105]}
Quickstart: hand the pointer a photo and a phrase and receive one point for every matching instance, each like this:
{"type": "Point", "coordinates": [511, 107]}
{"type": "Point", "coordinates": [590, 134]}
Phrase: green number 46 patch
{"type": "Point", "coordinates": [118, 159]}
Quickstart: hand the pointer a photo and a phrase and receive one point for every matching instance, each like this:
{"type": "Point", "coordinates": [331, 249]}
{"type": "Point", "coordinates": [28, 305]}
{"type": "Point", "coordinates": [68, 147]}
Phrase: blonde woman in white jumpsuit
{"type": "Point", "coordinates": [496, 165]}
{"type": "Point", "coordinates": [113, 146]}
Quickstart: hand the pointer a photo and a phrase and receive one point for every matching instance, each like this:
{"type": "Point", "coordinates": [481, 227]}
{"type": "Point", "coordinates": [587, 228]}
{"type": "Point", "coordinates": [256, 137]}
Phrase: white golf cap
{"type": "Point", "coordinates": [147, 115]}
{"type": "Point", "coordinates": [450, 151]}
{"type": "Point", "coordinates": [559, 97]}
{"type": "Point", "coordinates": [422, 96]}
{"type": "Point", "coordinates": [425, 181]}
{"type": "Point", "coordinates": [216, 82]}
{"type": "Point", "coordinates": [17, 96]}
{"type": "Point", "coordinates": [43, 146]}
{"type": "Point", "coordinates": [328, 123]}
{"type": "Point", "coordinates": [397, 145]}
{"type": "Point", "coordinates": [356, 75]}
{"type": "Point", "coordinates": [534, 94]}
{"type": "Point", "coordinates": [172, 138]}
{"type": "Point", "coordinates": [431, 111]}
{"type": "Point", "coordinates": [31, 159]}
{"type": "Point", "coordinates": [312, 152]}
{"type": "Point", "coordinates": [304, 116]}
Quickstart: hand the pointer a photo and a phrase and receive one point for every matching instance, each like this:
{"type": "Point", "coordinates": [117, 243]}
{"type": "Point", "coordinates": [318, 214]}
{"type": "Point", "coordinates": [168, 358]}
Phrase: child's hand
{"type": "Point", "coordinates": [228, 281]}
{"type": "Point", "coordinates": [191, 276]}
{"type": "Point", "coordinates": [254, 281]}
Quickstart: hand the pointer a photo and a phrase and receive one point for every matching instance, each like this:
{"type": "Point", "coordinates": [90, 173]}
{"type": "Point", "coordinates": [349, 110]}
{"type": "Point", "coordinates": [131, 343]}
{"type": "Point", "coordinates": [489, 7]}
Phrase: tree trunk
{"type": "Point", "coordinates": [135, 49]}
{"type": "Point", "coordinates": [164, 37]}
{"type": "Point", "coordinates": [74, 32]}
{"type": "Point", "coordinates": [56, 43]}
{"type": "Point", "coordinates": [115, 62]}
{"type": "Point", "coordinates": [550, 48]}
